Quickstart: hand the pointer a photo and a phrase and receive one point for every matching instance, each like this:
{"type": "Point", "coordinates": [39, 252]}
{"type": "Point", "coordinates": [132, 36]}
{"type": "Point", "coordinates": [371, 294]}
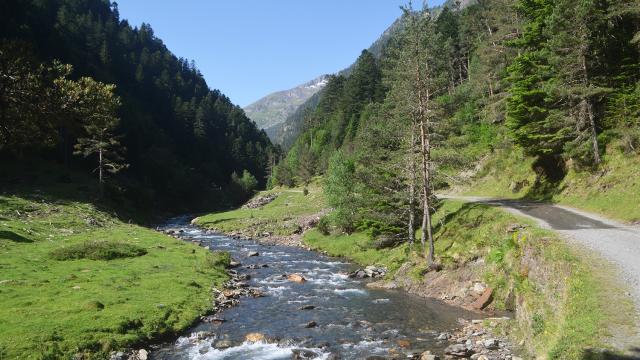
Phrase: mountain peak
{"type": "Point", "coordinates": [272, 110]}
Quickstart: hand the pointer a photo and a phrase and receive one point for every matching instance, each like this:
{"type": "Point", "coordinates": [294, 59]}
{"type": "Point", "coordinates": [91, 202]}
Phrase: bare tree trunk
{"type": "Point", "coordinates": [426, 193]}
{"type": "Point", "coordinates": [412, 188]}
{"type": "Point", "coordinates": [594, 133]}
{"type": "Point", "coordinates": [100, 166]}
{"type": "Point", "coordinates": [490, 84]}
{"type": "Point", "coordinates": [589, 107]}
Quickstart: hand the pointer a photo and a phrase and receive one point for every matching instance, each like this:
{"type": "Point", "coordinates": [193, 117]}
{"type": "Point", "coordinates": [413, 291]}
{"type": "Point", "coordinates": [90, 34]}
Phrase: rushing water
{"type": "Point", "coordinates": [353, 322]}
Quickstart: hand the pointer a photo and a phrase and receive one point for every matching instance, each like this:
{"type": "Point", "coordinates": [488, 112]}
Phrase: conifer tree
{"type": "Point", "coordinates": [96, 106]}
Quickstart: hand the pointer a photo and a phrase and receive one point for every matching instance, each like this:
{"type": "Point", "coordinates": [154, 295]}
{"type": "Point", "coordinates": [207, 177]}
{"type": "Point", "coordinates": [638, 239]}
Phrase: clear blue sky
{"type": "Point", "coordinates": [250, 48]}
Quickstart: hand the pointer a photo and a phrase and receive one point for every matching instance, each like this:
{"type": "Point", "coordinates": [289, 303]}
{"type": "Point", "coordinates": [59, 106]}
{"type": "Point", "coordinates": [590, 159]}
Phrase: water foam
{"type": "Point", "coordinates": [255, 351]}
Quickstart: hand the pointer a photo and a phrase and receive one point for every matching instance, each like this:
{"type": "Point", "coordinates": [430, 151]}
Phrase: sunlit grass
{"type": "Point", "coordinates": [58, 297]}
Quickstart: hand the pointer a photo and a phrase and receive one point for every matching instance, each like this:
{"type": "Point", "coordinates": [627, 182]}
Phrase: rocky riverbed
{"type": "Point", "coordinates": [288, 303]}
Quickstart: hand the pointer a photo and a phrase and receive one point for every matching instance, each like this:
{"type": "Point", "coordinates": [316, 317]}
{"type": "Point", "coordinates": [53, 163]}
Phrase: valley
{"type": "Point", "coordinates": [465, 187]}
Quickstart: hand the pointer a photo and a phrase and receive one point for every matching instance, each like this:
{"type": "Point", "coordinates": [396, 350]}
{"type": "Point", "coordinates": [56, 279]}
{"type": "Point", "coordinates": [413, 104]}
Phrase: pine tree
{"type": "Point", "coordinates": [426, 81]}
{"type": "Point", "coordinates": [96, 106]}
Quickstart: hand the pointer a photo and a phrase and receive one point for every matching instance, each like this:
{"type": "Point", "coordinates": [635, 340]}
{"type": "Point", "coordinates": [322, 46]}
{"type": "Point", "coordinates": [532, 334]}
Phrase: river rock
{"type": "Point", "coordinates": [254, 337]}
{"type": "Point", "coordinates": [256, 293]}
{"type": "Point", "coordinates": [369, 272]}
{"type": "Point", "coordinates": [253, 253]}
{"type": "Point", "coordinates": [403, 343]}
{"type": "Point", "coordinates": [458, 350]}
{"type": "Point", "coordinates": [311, 324]}
{"type": "Point", "coordinates": [223, 344]}
{"type": "Point", "coordinates": [142, 354]}
{"type": "Point", "coordinates": [299, 354]}
{"type": "Point", "coordinates": [118, 356]}
{"type": "Point", "coordinates": [297, 278]}
{"type": "Point", "coordinates": [308, 307]}
{"type": "Point", "coordinates": [427, 355]}
{"type": "Point", "coordinates": [212, 319]}
{"type": "Point", "coordinates": [234, 264]}
{"type": "Point", "coordinates": [491, 344]}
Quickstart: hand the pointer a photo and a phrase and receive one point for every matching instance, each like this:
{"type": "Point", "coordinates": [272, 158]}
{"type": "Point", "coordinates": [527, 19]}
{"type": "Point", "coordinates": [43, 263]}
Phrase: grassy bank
{"type": "Point", "coordinates": [76, 279]}
{"type": "Point", "coordinates": [612, 190]}
{"type": "Point", "coordinates": [279, 217]}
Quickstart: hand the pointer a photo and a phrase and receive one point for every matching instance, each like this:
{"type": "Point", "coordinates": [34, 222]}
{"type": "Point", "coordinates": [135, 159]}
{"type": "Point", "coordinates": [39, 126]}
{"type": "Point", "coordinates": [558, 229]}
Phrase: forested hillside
{"type": "Point", "coordinates": [175, 141]}
{"type": "Point", "coordinates": [550, 88]}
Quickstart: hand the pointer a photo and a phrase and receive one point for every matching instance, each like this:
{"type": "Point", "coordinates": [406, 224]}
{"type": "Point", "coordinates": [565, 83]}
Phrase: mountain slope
{"type": "Point", "coordinates": [272, 110]}
{"type": "Point", "coordinates": [183, 139]}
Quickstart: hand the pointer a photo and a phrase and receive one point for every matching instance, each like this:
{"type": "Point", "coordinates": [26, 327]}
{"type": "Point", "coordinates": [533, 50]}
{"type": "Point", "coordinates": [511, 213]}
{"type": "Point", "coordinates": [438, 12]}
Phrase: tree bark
{"type": "Point", "coordinates": [412, 187]}
{"type": "Point", "coordinates": [589, 107]}
{"type": "Point", "coordinates": [100, 166]}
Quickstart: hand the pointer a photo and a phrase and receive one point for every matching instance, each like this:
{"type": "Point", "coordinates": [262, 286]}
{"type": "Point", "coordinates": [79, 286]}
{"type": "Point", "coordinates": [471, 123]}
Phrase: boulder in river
{"type": "Point", "coordinates": [299, 354]}
{"type": "Point", "coordinates": [297, 278]}
{"type": "Point", "coordinates": [253, 253]}
{"type": "Point", "coordinates": [254, 337]}
{"type": "Point", "coordinates": [311, 324]}
{"type": "Point", "coordinates": [223, 344]}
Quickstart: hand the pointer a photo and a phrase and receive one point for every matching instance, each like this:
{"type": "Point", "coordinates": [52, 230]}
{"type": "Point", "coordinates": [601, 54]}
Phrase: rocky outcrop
{"type": "Point", "coordinates": [475, 341]}
{"type": "Point", "coordinates": [260, 201]}
{"type": "Point", "coordinates": [369, 272]}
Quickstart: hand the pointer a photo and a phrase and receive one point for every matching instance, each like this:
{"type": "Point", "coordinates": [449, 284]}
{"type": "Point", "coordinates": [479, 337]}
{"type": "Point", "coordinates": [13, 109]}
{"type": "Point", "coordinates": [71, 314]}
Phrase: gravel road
{"type": "Point", "coordinates": [616, 242]}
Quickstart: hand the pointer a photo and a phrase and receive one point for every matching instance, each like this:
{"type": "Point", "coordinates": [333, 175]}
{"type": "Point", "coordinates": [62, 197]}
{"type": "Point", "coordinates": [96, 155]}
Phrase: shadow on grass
{"type": "Point", "coordinates": [633, 354]}
{"type": "Point", "coordinates": [55, 184]}
{"type": "Point", "coordinates": [10, 235]}
{"type": "Point", "coordinates": [461, 212]}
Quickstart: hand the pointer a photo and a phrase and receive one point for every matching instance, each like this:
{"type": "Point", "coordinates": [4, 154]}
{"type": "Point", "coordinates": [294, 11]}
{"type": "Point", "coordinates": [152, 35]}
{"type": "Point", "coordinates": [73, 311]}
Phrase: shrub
{"type": "Point", "coordinates": [97, 250]}
{"type": "Point", "coordinates": [324, 226]}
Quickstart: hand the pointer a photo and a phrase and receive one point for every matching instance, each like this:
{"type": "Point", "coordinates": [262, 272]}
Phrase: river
{"type": "Point", "coordinates": [352, 321]}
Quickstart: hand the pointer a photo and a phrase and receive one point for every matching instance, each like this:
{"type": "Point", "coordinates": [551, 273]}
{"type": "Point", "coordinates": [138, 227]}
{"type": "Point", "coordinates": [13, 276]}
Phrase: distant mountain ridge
{"type": "Point", "coordinates": [270, 112]}
{"type": "Point", "coordinates": [282, 120]}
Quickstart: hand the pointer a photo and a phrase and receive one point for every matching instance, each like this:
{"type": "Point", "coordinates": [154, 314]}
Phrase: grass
{"type": "Point", "coordinates": [612, 190]}
{"type": "Point", "coordinates": [356, 247]}
{"type": "Point", "coordinates": [74, 279]}
{"type": "Point", "coordinates": [280, 217]}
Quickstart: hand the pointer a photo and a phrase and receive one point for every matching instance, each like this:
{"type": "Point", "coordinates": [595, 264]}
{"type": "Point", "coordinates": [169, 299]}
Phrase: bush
{"type": "Point", "coordinates": [97, 250]}
{"type": "Point", "coordinates": [324, 226]}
